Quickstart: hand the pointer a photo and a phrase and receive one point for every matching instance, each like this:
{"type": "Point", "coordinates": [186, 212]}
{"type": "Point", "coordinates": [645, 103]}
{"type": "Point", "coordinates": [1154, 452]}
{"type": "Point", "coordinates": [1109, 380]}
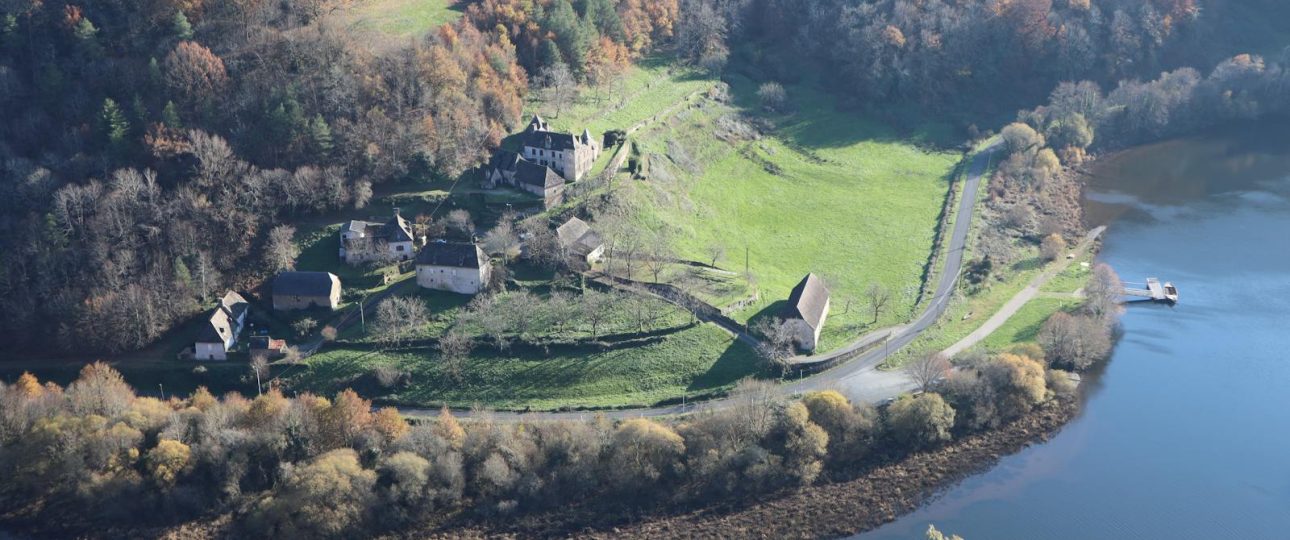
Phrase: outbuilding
{"type": "Point", "coordinates": [306, 290]}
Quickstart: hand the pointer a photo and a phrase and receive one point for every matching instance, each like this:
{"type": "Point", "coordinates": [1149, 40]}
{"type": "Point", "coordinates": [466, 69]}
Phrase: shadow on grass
{"type": "Point", "coordinates": [1032, 263]}
{"type": "Point", "coordinates": [738, 361]}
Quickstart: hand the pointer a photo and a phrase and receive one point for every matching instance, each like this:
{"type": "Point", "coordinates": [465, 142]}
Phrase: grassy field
{"type": "Point", "coordinates": [648, 87]}
{"type": "Point", "coordinates": [394, 20]}
{"type": "Point", "coordinates": [693, 362]}
{"type": "Point", "coordinates": [823, 191]}
{"type": "Point", "coordinates": [1025, 324]}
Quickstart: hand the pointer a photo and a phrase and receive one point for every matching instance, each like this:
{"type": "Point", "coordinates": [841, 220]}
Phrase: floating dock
{"type": "Point", "coordinates": [1154, 291]}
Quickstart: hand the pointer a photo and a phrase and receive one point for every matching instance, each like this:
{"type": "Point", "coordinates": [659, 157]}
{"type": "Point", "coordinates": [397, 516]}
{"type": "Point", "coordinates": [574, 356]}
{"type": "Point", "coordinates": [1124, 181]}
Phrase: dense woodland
{"type": "Point", "coordinates": [150, 148]}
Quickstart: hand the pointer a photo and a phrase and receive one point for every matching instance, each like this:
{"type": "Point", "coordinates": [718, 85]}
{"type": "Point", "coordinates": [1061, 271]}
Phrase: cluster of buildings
{"type": "Point", "coordinates": [546, 161]}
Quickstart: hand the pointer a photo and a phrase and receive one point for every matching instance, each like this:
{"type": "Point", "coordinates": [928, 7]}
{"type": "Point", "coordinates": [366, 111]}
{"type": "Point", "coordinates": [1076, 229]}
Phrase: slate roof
{"type": "Point", "coordinates": [577, 235]}
{"type": "Point", "coordinates": [808, 301]}
{"type": "Point", "coordinates": [303, 284]}
{"type": "Point", "coordinates": [537, 175]}
{"type": "Point", "coordinates": [397, 229]}
{"type": "Point", "coordinates": [549, 140]}
{"type": "Point", "coordinates": [453, 254]}
{"type": "Point", "coordinates": [223, 320]}
{"type": "Point", "coordinates": [504, 160]}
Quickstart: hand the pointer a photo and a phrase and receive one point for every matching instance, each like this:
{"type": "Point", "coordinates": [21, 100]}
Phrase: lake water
{"type": "Point", "coordinates": [1186, 432]}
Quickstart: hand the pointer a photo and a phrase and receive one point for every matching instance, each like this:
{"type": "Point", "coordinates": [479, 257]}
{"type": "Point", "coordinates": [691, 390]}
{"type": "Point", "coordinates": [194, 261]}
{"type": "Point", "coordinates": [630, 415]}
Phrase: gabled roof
{"type": "Point", "coordinates": [453, 254]}
{"type": "Point", "coordinates": [305, 283]}
{"type": "Point", "coordinates": [537, 175]}
{"type": "Point", "coordinates": [234, 304]}
{"type": "Point", "coordinates": [397, 229]}
{"type": "Point", "coordinates": [575, 234]}
{"type": "Point", "coordinates": [808, 301]}
{"type": "Point", "coordinates": [504, 160]}
{"type": "Point", "coordinates": [223, 319]}
{"type": "Point", "coordinates": [538, 124]}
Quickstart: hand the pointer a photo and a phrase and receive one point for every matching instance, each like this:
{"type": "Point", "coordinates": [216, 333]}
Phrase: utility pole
{"type": "Point", "coordinates": [163, 391]}
{"type": "Point", "coordinates": [362, 316]}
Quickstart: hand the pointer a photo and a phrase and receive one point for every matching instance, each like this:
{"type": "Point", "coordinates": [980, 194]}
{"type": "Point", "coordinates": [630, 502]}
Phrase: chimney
{"type": "Point", "coordinates": [396, 211]}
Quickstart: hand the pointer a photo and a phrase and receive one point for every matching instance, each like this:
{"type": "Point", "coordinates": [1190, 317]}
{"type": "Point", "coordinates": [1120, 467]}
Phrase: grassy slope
{"type": "Point", "coordinates": [694, 361]}
{"type": "Point", "coordinates": [851, 201]}
{"type": "Point", "coordinates": [398, 18]}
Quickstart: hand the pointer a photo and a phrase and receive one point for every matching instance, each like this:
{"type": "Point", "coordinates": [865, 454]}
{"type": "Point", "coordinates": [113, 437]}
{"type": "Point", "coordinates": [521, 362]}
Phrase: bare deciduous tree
{"type": "Point", "coordinates": [454, 348]}
{"type": "Point", "coordinates": [280, 251]}
{"type": "Point", "coordinates": [398, 318]}
{"type": "Point", "coordinates": [878, 297]}
{"type": "Point", "coordinates": [715, 253]}
{"type": "Point", "coordinates": [776, 345]}
{"type": "Point", "coordinates": [259, 369]}
{"type": "Point", "coordinates": [927, 369]}
{"type": "Point", "coordinates": [560, 87]}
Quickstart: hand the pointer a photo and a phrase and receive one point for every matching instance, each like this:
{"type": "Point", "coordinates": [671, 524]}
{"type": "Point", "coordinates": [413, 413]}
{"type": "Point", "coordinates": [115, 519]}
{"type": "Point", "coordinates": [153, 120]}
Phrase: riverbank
{"type": "Point", "coordinates": [827, 510]}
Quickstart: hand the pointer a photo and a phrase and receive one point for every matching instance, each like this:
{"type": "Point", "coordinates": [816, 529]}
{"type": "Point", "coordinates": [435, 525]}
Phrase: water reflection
{"type": "Point", "coordinates": [1184, 434]}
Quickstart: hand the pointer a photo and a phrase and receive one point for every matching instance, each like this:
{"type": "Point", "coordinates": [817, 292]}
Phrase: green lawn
{"type": "Point", "coordinates": [650, 86]}
{"type": "Point", "coordinates": [1023, 326]}
{"type": "Point", "coordinates": [399, 18]}
{"type": "Point", "coordinates": [697, 361]}
{"type": "Point", "coordinates": [827, 191]}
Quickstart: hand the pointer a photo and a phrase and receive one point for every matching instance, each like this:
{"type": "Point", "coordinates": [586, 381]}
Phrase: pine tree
{"type": "Point", "coordinates": [320, 135]}
{"type": "Point", "coordinates": [114, 125]}
{"type": "Point", "coordinates": [139, 109]}
{"type": "Point", "coordinates": [183, 277]}
{"type": "Point", "coordinates": [182, 28]}
{"type": "Point", "coordinates": [170, 116]}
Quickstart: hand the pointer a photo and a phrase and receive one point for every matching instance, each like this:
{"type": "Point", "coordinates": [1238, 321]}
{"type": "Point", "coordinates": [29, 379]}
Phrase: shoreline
{"type": "Point", "coordinates": [842, 508]}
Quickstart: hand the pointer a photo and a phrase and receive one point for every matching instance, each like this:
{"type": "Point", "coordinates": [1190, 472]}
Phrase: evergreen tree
{"type": "Point", "coordinates": [320, 135]}
{"type": "Point", "coordinates": [170, 116]}
{"type": "Point", "coordinates": [183, 277]}
{"type": "Point", "coordinates": [572, 34]}
{"type": "Point", "coordinates": [142, 116]}
{"type": "Point", "coordinates": [604, 17]}
{"type": "Point", "coordinates": [114, 125]}
{"type": "Point", "coordinates": [87, 35]}
{"type": "Point", "coordinates": [182, 28]}
{"type": "Point", "coordinates": [154, 73]}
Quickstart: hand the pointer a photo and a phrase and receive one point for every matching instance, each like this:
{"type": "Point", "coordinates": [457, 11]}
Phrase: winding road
{"type": "Point", "coordinates": [859, 377]}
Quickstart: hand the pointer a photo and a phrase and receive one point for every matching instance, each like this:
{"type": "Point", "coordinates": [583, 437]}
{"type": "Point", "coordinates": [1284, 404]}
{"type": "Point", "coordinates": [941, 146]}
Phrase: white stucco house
{"type": "Point", "coordinates": [808, 307]}
{"type": "Point", "coordinates": [363, 241]}
{"type": "Point", "coordinates": [578, 240]}
{"type": "Point", "coordinates": [457, 267]}
{"type": "Point", "coordinates": [220, 333]}
{"type": "Point", "coordinates": [571, 156]}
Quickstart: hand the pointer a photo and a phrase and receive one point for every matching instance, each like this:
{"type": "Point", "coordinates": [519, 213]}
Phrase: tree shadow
{"type": "Point", "coordinates": [737, 362]}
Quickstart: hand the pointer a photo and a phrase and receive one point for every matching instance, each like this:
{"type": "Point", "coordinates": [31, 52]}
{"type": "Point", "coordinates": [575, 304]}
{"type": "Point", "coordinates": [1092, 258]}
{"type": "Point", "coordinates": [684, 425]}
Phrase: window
{"type": "Point", "coordinates": [400, 248]}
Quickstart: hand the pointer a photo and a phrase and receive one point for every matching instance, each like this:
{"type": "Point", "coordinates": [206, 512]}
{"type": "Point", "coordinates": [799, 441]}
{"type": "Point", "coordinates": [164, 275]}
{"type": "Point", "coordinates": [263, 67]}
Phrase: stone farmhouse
{"type": "Point", "coordinates": [457, 267]}
{"type": "Point", "coordinates": [219, 334]}
{"type": "Point", "coordinates": [578, 240]}
{"type": "Point", "coordinates": [808, 306]}
{"type": "Point", "coordinates": [363, 241]}
{"type": "Point", "coordinates": [571, 156]}
{"type": "Point", "coordinates": [507, 168]}
{"type": "Point", "coordinates": [306, 290]}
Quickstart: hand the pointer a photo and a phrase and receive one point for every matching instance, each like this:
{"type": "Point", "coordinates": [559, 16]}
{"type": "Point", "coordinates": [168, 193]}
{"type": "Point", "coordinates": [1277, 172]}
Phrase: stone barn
{"type": "Point", "coordinates": [457, 267]}
{"type": "Point", "coordinates": [808, 306]}
{"type": "Point", "coordinates": [306, 290]}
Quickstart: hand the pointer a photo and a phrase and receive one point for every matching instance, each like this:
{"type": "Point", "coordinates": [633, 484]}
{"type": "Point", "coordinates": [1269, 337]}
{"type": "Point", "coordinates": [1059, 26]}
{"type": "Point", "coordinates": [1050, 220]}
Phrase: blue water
{"type": "Point", "coordinates": [1186, 432]}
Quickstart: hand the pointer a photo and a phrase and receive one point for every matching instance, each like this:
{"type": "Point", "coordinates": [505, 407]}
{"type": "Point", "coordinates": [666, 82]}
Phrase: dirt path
{"type": "Point", "coordinates": [1019, 300]}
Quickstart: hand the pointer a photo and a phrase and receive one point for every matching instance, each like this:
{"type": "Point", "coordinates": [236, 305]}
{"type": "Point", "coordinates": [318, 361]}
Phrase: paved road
{"type": "Point", "coordinates": [1015, 303]}
{"type": "Point", "coordinates": [859, 377]}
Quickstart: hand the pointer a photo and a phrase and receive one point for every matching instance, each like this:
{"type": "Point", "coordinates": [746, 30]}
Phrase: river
{"type": "Point", "coordinates": [1185, 433]}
